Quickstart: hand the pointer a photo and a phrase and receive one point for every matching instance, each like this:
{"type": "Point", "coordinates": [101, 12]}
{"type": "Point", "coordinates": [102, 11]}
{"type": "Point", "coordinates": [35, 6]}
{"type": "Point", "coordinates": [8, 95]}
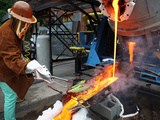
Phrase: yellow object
{"type": "Point", "coordinates": [115, 6]}
{"type": "Point", "coordinates": [19, 100]}
{"type": "Point", "coordinates": [77, 48]}
{"type": "Point", "coordinates": [78, 37]}
{"type": "Point", "coordinates": [27, 53]}
{"type": "Point", "coordinates": [86, 20]}
{"type": "Point", "coordinates": [87, 31]}
{"type": "Point", "coordinates": [157, 54]}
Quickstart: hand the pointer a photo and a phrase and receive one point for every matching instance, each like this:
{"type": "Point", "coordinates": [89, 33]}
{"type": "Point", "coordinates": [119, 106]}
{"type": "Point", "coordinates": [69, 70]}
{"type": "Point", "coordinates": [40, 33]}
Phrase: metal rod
{"type": "Point", "coordinates": [50, 41]}
{"type": "Point", "coordinates": [149, 93]}
{"type": "Point", "coordinates": [147, 70]}
{"type": "Point", "coordinates": [63, 25]}
{"type": "Point", "coordinates": [55, 89]}
{"type": "Point", "coordinates": [54, 82]}
{"type": "Point", "coordinates": [62, 79]}
{"type": "Point", "coordinates": [61, 85]}
{"type": "Point", "coordinates": [90, 2]}
{"type": "Point", "coordinates": [84, 12]}
{"type": "Point", "coordinates": [80, 9]}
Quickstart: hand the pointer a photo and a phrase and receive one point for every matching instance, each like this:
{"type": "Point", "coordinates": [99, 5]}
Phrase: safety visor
{"type": "Point", "coordinates": [20, 27]}
{"type": "Point", "coordinates": [29, 32]}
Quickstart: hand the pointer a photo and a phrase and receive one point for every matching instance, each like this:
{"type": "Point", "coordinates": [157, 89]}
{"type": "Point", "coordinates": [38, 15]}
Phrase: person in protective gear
{"type": "Point", "coordinates": [15, 73]}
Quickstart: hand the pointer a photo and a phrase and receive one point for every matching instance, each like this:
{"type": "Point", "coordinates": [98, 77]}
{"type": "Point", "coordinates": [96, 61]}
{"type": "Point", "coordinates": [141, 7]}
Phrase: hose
{"type": "Point", "coordinates": [27, 53]}
{"type": "Point", "coordinates": [122, 108]}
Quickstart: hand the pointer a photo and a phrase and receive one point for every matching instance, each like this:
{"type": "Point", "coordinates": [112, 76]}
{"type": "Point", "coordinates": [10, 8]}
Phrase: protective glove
{"type": "Point", "coordinates": [40, 72]}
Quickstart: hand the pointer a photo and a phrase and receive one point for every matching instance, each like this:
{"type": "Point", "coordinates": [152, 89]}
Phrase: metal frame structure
{"type": "Point", "coordinates": [43, 9]}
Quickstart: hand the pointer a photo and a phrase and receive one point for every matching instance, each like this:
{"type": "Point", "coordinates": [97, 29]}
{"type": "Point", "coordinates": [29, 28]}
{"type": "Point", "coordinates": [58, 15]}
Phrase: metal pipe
{"type": "Point", "coordinates": [148, 93]}
{"type": "Point", "coordinates": [147, 70]}
{"type": "Point", "coordinates": [60, 84]}
{"type": "Point", "coordinates": [62, 79]}
{"type": "Point", "coordinates": [50, 41]}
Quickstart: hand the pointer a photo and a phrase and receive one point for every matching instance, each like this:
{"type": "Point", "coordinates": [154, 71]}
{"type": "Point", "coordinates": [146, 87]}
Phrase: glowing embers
{"type": "Point", "coordinates": [131, 49]}
{"type": "Point", "coordinates": [97, 83]}
{"type": "Point", "coordinates": [66, 113]}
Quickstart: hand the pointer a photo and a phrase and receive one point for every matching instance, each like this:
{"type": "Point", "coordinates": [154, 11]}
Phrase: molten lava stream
{"type": "Point", "coordinates": [66, 114]}
{"type": "Point", "coordinates": [116, 8]}
{"type": "Point", "coordinates": [131, 49]}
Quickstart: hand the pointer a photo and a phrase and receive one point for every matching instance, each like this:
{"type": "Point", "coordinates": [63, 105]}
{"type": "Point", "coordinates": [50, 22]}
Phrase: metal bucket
{"type": "Point", "coordinates": [142, 25]}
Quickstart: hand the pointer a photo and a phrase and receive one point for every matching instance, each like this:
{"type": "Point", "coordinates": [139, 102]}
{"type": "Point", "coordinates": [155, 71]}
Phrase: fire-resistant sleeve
{"type": "Point", "coordinates": [10, 51]}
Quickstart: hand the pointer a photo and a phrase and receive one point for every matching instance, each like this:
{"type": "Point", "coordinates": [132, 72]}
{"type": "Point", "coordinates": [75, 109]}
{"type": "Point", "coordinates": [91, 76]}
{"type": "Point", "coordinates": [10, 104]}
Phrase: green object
{"type": "Point", "coordinates": [10, 101]}
{"type": "Point", "coordinates": [79, 89]}
{"type": "Point", "coordinates": [78, 84]}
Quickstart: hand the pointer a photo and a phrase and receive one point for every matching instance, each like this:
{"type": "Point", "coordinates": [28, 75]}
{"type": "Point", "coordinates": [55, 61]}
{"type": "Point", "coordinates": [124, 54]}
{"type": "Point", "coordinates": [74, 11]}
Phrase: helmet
{"type": "Point", "coordinates": [22, 11]}
{"type": "Point", "coordinates": [22, 15]}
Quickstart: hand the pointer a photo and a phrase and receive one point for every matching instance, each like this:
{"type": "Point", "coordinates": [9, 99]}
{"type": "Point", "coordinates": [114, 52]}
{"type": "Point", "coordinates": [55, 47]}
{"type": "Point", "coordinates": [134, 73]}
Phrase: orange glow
{"type": "Point", "coordinates": [98, 83]}
{"type": "Point", "coordinates": [131, 48]}
{"type": "Point", "coordinates": [116, 8]}
{"type": "Point", "coordinates": [66, 114]}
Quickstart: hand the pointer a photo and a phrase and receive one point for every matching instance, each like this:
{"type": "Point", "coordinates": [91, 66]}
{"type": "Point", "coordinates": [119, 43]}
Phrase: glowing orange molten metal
{"type": "Point", "coordinates": [131, 48]}
{"type": "Point", "coordinates": [66, 114]}
{"type": "Point", "coordinates": [115, 6]}
{"type": "Point", "coordinates": [98, 83]}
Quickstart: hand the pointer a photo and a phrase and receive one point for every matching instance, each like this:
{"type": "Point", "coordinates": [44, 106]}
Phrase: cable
{"type": "Point", "coordinates": [122, 108]}
{"type": "Point", "coordinates": [27, 53]}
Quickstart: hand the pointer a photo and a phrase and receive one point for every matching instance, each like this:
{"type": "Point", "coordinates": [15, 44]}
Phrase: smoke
{"type": "Point", "coordinates": [122, 84]}
{"type": "Point", "coordinates": [126, 80]}
{"type": "Point", "coordinates": [140, 57]}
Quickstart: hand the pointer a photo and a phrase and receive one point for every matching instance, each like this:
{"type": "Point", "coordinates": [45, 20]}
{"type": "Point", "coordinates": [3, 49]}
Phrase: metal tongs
{"type": "Point", "coordinates": [44, 74]}
{"type": "Point", "coordinates": [53, 81]}
{"type": "Point", "coordinates": [62, 79]}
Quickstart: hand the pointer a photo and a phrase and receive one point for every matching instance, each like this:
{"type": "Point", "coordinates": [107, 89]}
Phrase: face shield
{"type": "Point", "coordinates": [20, 27]}
{"type": "Point", "coordinates": [29, 32]}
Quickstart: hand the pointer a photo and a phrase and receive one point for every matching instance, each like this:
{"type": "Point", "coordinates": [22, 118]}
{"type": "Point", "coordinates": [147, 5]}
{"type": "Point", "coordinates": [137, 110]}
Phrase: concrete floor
{"type": "Point", "coordinates": [40, 96]}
